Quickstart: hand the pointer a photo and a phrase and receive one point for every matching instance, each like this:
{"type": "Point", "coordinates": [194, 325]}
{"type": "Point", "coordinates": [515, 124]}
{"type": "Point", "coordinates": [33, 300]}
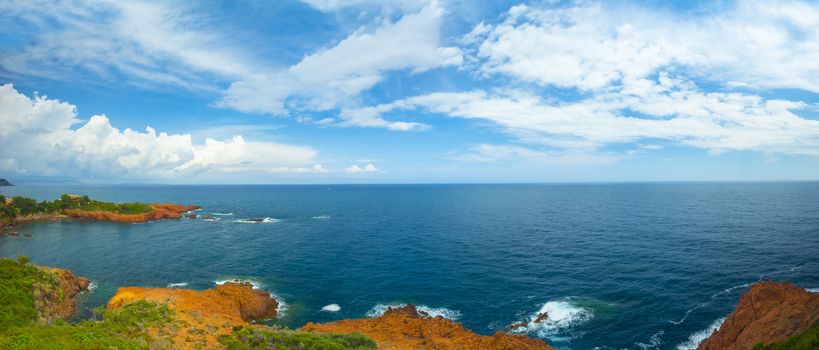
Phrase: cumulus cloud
{"type": "Point", "coordinates": [592, 46]}
{"type": "Point", "coordinates": [42, 136]}
{"type": "Point", "coordinates": [335, 76]}
{"type": "Point", "coordinates": [355, 169]}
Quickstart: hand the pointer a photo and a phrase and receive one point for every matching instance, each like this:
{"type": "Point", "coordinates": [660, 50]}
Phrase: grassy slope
{"type": "Point", "coordinates": [127, 327]}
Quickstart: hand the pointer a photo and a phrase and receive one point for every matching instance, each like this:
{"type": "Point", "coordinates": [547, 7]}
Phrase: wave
{"type": "Point", "coordinates": [266, 220]}
{"type": "Point", "coordinates": [653, 343]}
{"type": "Point", "coordinates": [282, 308]}
{"type": "Point", "coordinates": [92, 286]}
{"type": "Point", "coordinates": [211, 219]}
{"type": "Point", "coordinates": [256, 284]}
{"type": "Point", "coordinates": [222, 214]}
{"type": "Point", "coordinates": [695, 339]}
{"type": "Point", "coordinates": [331, 308]}
{"type": "Point", "coordinates": [812, 290]}
{"type": "Point", "coordinates": [452, 315]}
{"type": "Point", "coordinates": [321, 217]}
{"type": "Point", "coordinates": [562, 315]}
{"type": "Point", "coordinates": [175, 285]}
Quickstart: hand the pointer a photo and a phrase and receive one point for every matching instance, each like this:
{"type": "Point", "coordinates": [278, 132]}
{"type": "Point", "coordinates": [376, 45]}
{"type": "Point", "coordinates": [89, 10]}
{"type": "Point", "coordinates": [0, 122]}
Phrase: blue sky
{"type": "Point", "coordinates": [323, 91]}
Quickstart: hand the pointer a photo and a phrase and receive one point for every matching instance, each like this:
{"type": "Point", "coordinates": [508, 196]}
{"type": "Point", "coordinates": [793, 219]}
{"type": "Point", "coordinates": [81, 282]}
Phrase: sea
{"type": "Point", "coordinates": [615, 266]}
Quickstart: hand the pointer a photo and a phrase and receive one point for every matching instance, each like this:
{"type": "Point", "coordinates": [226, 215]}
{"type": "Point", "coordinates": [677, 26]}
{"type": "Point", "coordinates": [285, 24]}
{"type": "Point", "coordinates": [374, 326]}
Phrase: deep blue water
{"type": "Point", "coordinates": [620, 265]}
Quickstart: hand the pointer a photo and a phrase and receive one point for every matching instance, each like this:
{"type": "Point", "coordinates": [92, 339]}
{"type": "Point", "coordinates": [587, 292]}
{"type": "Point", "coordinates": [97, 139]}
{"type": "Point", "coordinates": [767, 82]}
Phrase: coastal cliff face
{"type": "Point", "coordinates": [58, 301]}
{"type": "Point", "coordinates": [408, 328]}
{"type": "Point", "coordinates": [160, 211]}
{"type": "Point", "coordinates": [768, 312]}
{"type": "Point", "coordinates": [208, 314]}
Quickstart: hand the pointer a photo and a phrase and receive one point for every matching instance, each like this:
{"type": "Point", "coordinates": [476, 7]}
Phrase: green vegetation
{"type": "Point", "coordinates": [245, 338]}
{"type": "Point", "coordinates": [124, 328]}
{"type": "Point", "coordinates": [22, 206]}
{"type": "Point", "coordinates": [808, 340]}
{"type": "Point", "coordinates": [16, 291]}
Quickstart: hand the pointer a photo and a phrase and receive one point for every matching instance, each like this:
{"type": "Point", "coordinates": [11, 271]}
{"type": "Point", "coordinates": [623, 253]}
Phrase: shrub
{"type": "Point", "coordinates": [808, 340]}
{"type": "Point", "coordinates": [245, 338]}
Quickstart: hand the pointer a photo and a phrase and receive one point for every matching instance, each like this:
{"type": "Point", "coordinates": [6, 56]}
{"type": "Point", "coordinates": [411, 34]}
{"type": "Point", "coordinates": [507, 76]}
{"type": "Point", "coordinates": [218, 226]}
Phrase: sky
{"type": "Point", "coordinates": [416, 91]}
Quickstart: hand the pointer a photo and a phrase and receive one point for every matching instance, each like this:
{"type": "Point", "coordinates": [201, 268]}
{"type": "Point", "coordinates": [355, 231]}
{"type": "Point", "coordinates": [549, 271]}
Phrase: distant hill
{"type": "Point", "coordinates": [3, 182]}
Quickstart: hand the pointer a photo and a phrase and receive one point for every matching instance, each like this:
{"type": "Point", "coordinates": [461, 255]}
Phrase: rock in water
{"type": "Point", "coordinates": [408, 328]}
{"type": "Point", "coordinates": [768, 312]}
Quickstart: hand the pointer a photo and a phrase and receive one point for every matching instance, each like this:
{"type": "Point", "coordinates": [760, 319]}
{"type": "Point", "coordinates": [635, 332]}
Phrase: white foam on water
{"type": "Point", "coordinates": [321, 217]}
{"type": "Point", "coordinates": [222, 214]}
{"type": "Point", "coordinates": [282, 308]}
{"type": "Point", "coordinates": [653, 343]}
{"type": "Point", "coordinates": [695, 339]}
{"type": "Point", "coordinates": [212, 219]}
{"type": "Point", "coordinates": [563, 314]}
{"type": "Point", "coordinates": [266, 220]}
{"type": "Point", "coordinates": [92, 286]}
{"type": "Point", "coordinates": [452, 315]}
{"type": "Point", "coordinates": [255, 284]}
{"type": "Point", "coordinates": [331, 308]}
{"type": "Point", "coordinates": [175, 285]}
{"type": "Point", "coordinates": [812, 290]}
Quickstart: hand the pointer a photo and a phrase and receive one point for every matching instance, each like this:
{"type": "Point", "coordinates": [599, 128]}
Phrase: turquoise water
{"type": "Point", "coordinates": [635, 266]}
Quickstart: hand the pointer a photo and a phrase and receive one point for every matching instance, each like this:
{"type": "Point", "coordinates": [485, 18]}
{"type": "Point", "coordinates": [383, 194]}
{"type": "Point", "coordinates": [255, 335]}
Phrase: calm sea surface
{"type": "Point", "coordinates": [635, 266]}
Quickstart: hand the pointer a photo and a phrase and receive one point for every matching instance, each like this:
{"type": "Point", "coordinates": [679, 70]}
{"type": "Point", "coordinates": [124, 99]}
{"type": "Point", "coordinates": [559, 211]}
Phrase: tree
{"type": "Point", "coordinates": [25, 206]}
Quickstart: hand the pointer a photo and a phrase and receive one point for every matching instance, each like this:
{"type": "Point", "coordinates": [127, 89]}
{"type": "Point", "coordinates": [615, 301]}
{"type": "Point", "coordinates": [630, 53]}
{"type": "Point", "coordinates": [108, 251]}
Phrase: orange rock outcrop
{"type": "Point", "coordinates": [208, 313]}
{"type": "Point", "coordinates": [768, 312]}
{"type": "Point", "coordinates": [408, 328]}
{"type": "Point", "coordinates": [161, 211]}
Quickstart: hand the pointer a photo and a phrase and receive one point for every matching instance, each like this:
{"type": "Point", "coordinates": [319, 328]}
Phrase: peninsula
{"type": "Point", "coordinates": [4, 182]}
{"type": "Point", "coordinates": [20, 209]}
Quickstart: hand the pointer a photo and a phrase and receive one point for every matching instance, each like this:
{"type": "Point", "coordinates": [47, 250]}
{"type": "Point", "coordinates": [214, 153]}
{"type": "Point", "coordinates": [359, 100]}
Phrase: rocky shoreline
{"type": "Point", "coordinates": [225, 317]}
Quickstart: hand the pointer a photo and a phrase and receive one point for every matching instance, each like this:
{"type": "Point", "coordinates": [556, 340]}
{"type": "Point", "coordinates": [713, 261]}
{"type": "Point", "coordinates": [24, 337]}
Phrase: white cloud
{"type": "Point", "coordinates": [592, 46]}
{"type": "Point", "coordinates": [503, 153]}
{"type": "Point", "coordinates": [335, 5]}
{"type": "Point", "coordinates": [671, 109]}
{"type": "Point", "coordinates": [39, 138]}
{"type": "Point", "coordinates": [355, 169]}
{"type": "Point", "coordinates": [142, 43]}
{"type": "Point", "coordinates": [335, 76]}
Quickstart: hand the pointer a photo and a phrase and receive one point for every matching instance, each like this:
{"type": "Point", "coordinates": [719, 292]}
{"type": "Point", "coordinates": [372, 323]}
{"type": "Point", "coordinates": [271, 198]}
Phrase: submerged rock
{"type": "Point", "coordinates": [768, 312]}
{"type": "Point", "coordinates": [409, 328]}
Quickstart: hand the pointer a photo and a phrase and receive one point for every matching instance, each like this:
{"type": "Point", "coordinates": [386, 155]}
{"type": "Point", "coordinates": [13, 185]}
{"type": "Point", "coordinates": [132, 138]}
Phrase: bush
{"type": "Point", "coordinates": [123, 329]}
{"type": "Point", "coordinates": [808, 340]}
{"type": "Point", "coordinates": [16, 291]}
{"type": "Point", "coordinates": [245, 338]}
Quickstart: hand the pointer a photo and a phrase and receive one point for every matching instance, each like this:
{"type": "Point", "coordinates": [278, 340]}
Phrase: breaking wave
{"type": "Point", "coordinates": [252, 282]}
{"type": "Point", "coordinates": [175, 285]}
{"type": "Point", "coordinates": [321, 217]}
{"type": "Point", "coordinates": [258, 221]}
{"type": "Point", "coordinates": [331, 308]}
{"type": "Point", "coordinates": [695, 339]}
{"type": "Point", "coordinates": [449, 314]}
{"type": "Point", "coordinates": [222, 214]}
{"type": "Point", "coordinates": [562, 315]}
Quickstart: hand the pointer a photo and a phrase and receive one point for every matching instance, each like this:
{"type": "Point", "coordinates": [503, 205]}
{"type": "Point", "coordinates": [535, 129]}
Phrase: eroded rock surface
{"type": "Point", "coordinates": [768, 312]}
{"type": "Point", "coordinates": [408, 328]}
{"type": "Point", "coordinates": [58, 300]}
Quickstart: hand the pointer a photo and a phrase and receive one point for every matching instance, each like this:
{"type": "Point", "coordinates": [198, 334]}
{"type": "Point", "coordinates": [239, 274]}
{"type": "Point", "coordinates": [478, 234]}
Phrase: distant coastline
{"type": "Point", "coordinates": [19, 209]}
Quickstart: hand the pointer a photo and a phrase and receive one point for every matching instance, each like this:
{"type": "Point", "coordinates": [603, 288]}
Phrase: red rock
{"type": "Point", "coordinates": [768, 312]}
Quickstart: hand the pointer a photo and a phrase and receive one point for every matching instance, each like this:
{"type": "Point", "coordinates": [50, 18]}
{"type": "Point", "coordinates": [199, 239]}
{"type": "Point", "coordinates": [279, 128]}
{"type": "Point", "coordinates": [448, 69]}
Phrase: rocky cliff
{"type": "Point", "coordinates": [768, 312]}
{"type": "Point", "coordinates": [58, 301]}
{"type": "Point", "coordinates": [208, 314]}
{"type": "Point", "coordinates": [408, 328]}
